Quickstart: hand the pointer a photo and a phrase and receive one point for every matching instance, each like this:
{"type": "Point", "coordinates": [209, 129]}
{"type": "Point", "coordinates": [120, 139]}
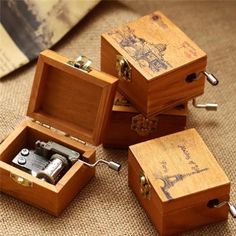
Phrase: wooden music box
{"type": "Point", "coordinates": [158, 65]}
{"type": "Point", "coordinates": [178, 182]}
{"type": "Point", "coordinates": [69, 101]}
{"type": "Point", "coordinates": [127, 126]}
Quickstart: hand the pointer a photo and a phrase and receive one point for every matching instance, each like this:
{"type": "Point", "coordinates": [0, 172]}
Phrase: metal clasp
{"type": "Point", "coordinates": [20, 180]}
{"type": "Point", "coordinates": [82, 63]}
{"type": "Point", "coordinates": [123, 68]}
{"type": "Point", "coordinates": [145, 186]}
{"type": "Point", "coordinates": [143, 126]}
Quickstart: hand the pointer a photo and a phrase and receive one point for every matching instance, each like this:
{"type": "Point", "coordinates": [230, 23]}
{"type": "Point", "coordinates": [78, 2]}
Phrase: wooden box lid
{"type": "Point", "coordinates": [155, 46]}
{"type": "Point", "coordinates": [181, 170]}
{"type": "Point", "coordinates": [69, 99]}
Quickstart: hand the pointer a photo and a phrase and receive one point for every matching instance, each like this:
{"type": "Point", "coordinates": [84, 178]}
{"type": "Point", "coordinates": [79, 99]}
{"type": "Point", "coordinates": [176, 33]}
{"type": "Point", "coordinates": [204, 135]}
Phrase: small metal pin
{"type": "Point", "coordinates": [207, 106]}
{"type": "Point", "coordinates": [25, 152]}
{"type": "Point", "coordinates": [111, 164]}
{"type": "Point", "coordinates": [211, 78]}
{"type": "Point", "coordinates": [21, 160]}
{"type": "Point", "coordinates": [232, 208]}
{"type": "Point", "coordinates": [143, 180]}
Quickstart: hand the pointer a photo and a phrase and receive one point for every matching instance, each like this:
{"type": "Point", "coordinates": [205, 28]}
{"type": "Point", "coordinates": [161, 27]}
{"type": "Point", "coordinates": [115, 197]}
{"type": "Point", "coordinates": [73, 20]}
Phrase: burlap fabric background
{"type": "Point", "coordinates": [106, 206]}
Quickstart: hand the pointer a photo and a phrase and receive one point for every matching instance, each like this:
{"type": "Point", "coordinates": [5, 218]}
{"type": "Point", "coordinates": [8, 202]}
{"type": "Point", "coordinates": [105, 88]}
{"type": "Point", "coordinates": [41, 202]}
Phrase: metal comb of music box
{"type": "Point", "coordinates": [178, 182]}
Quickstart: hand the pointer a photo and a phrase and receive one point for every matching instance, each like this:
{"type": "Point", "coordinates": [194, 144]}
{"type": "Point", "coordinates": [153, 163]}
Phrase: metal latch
{"type": "Point", "coordinates": [82, 63]}
{"type": "Point", "coordinates": [145, 186]}
{"type": "Point", "coordinates": [143, 126]}
{"type": "Point", "coordinates": [20, 180]}
{"type": "Point", "coordinates": [123, 68]}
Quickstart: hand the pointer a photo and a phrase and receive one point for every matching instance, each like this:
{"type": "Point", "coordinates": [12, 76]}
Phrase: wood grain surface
{"type": "Point", "coordinates": [184, 176]}
{"type": "Point", "coordinates": [76, 102]}
{"type": "Point", "coordinates": [50, 198]}
{"type": "Point", "coordinates": [161, 58]}
{"type": "Point", "coordinates": [127, 126]}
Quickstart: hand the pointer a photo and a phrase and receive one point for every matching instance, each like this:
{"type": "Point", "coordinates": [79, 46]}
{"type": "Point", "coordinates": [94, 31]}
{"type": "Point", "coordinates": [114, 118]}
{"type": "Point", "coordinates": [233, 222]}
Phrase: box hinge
{"type": "Point", "coordinates": [77, 139]}
{"type": "Point", "coordinates": [123, 68]}
{"type": "Point", "coordinates": [82, 63]}
{"type": "Point", "coordinates": [122, 102]}
{"type": "Point", "coordinates": [59, 132]}
{"type": "Point", "coordinates": [145, 187]}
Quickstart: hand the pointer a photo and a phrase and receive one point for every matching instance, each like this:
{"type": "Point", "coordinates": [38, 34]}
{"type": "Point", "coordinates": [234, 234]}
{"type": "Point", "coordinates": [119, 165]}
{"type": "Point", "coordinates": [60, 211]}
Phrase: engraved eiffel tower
{"type": "Point", "coordinates": [170, 181]}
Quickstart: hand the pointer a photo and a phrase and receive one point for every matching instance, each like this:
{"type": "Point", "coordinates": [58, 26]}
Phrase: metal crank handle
{"type": "Point", "coordinates": [111, 164]}
{"type": "Point", "coordinates": [211, 78]}
{"type": "Point", "coordinates": [232, 208]}
{"type": "Point", "coordinates": [207, 106]}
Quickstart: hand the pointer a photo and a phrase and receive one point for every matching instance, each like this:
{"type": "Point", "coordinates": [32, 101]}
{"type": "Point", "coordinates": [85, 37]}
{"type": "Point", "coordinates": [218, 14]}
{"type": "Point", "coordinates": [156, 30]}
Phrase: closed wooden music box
{"type": "Point", "coordinates": [158, 65]}
{"type": "Point", "coordinates": [127, 126]}
{"type": "Point", "coordinates": [178, 182]}
{"type": "Point", "coordinates": [69, 100]}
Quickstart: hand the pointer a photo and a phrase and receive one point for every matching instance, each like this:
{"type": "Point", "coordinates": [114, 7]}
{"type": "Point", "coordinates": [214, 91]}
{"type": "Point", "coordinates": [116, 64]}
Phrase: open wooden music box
{"type": "Point", "coordinates": [127, 126]}
{"type": "Point", "coordinates": [158, 65]}
{"type": "Point", "coordinates": [76, 101]}
{"type": "Point", "coordinates": [178, 182]}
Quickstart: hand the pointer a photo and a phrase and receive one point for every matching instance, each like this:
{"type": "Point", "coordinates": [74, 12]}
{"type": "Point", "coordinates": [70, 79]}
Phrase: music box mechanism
{"type": "Point", "coordinates": [46, 155]}
{"type": "Point", "coordinates": [49, 161]}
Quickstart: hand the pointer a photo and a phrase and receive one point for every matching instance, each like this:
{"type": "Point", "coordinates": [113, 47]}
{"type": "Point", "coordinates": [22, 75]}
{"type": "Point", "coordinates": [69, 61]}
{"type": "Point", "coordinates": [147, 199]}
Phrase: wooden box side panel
{"type": "Point", "coordinates": [174, 89]}
{"type": "Point", "coordinates": [37, 195]}
{"type": "Point", "coordinates": [192, 217]}
{"type": "Point", "coordinates": [74, 182]}
{"type": "Point", "coordinates": [41, 194]}
{"type": "Point", "coordinates": [119, 133]}
{"type": "Point", "coordinates": [136, 89]}
{"type": "Point", "coordinates": [151, 206]}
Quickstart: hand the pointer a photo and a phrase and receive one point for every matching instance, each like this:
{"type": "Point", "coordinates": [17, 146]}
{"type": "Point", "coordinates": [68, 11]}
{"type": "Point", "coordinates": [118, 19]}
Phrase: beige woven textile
{"type": "Point", "coordinates": [106, 206]}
